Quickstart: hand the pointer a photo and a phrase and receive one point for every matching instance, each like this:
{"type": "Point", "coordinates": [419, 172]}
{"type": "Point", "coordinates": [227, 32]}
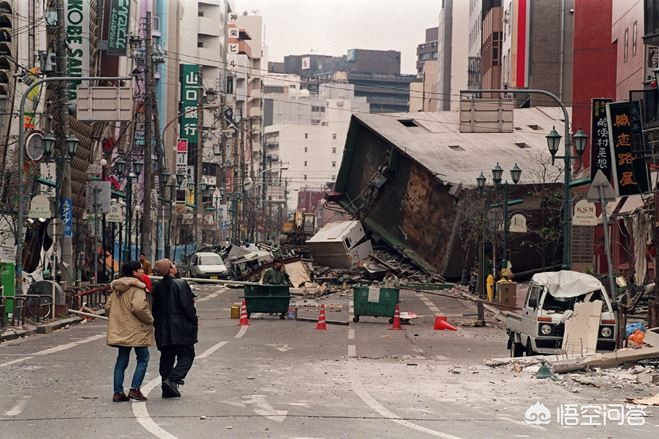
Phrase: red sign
{"type": "Point", "coordinates": [182, 145]}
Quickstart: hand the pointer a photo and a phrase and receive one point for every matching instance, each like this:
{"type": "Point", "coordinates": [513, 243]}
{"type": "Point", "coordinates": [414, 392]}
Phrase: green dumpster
{"type": "Point", "coordinates": [271, 299]}
{"type": "Point", "coordinates": [8, 286]}
{"type": "Point", "coordinates": [375, 301]}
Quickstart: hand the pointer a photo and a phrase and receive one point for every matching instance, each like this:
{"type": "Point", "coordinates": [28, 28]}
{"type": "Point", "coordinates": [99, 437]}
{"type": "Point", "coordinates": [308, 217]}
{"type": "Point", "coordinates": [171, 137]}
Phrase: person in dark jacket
{"type": "Point", "coordinates": [175, 321]}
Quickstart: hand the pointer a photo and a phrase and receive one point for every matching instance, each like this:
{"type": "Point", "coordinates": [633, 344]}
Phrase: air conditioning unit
{"type": "Point", "coordinates": [47, 61]}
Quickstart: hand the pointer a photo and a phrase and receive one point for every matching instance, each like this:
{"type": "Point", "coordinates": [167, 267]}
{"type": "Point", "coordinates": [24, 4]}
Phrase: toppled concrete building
{"type": "Point", "coordinates": [403, 174]}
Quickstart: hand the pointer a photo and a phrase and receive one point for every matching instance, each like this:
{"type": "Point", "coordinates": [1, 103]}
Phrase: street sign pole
{"type": "Point", "coordinates": [602, 192]}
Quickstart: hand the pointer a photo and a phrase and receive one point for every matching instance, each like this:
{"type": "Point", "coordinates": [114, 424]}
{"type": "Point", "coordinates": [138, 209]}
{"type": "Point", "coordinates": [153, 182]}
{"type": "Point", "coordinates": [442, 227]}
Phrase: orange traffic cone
{"type": "Point", "coordinates": [322, 325]}
{"type": "Point", "coordinates": [396, 325]}
{"type": "Point", "coordinates": [243, 314]}
{"type": "Point", "coordinates": [441, 324]}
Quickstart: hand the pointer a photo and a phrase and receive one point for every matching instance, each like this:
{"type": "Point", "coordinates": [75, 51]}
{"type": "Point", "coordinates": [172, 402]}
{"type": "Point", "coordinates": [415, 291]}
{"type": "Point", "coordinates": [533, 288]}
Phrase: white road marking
{"type": "Point", "coordinates": [523, 424]}
{"type": "Point", "coordinates": [352, 351]}
{"type": "Point", "coordinates": [351, 334]}
{"type": "Point", "coordinates": [281, 347]}
{"type": "Point", "coordinates": [431, 306]}
{"type": "Point", "coordinates": [265, 409]}
{"type": "Point", "coordinates": [243, 330]}
{"type": "Point", "coordinates": [212, 349]}
{"type": "Point", "coordinates": [18, 408]}
{"type": "Point", "coordinates": [373, 404]}
{"type": "Point", "coordinates": [55, 349]}
{"type": "Point", "coordinates": [212, 295]}
{"type": "Point", "coordinates": [16, 361]}
{"type": "Point", "coordinates": [66, 346]}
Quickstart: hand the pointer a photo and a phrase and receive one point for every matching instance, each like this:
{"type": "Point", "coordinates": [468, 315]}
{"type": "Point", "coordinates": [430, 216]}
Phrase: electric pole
{"type": "Point", "coordinates": [64, 202]}
{"type": "Point", "coordinates": [145, 239]}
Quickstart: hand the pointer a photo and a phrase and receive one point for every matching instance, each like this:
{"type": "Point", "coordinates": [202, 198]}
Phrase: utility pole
{"type": "Point", "coordinates": [198, 167]}
{"type": "Point", "coordinates": [64, 201]}
{"type": "Point", "coordinates": [145, 239]}
{"type": "Point", "coordinates": [237, 144]}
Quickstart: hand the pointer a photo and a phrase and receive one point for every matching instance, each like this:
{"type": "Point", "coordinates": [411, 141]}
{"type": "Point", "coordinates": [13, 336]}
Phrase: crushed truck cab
{"type": "Point", "coordinates": [551, 297]}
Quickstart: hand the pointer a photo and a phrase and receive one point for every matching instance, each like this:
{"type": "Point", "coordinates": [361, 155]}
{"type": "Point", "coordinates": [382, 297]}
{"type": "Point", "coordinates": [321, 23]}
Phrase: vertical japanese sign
{"type": "Point", "coordinates": [181, 165]}
{"type": "Point", "coordinates": [190, 93]}
{"type": "Point", "coordinates": [600, 155]}
{"type": "Point", "coordinates": [67, 216]}
{"type": "Point", "coordinates": [77, 40]}
{"type": "Point", "coordinates": [630, 172]}
{"type": "Point", "coordinates": [118, 27]}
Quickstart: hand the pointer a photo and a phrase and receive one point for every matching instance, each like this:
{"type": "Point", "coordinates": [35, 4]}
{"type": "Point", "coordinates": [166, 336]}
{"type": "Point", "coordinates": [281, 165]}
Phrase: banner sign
{"type": "Point", "coordinates": [190, 94]}
{"type": "Point", "coordinates": [118, 27]}
{"type": "Point", "coordinates": [77, 40]}
{"type": "Point", "coordinates": [67, 216]}
{"type": "Point", "coordinates": [630, 173]}
{"type": "Point", "coordinates": [600, 156]}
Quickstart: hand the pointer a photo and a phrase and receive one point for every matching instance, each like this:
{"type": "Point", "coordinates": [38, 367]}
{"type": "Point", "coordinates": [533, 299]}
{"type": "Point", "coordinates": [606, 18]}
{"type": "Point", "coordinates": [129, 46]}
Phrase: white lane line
{"type": "Point", "coordinates": [352, 351]}
{"type": "Point", "coordinates": [373, 404]}
{"type": "Point", "coordinates": [66, 346]}
{"type": "Point", "coordinates": [139, 407]}
{"type": "Point", "coordinates": [431, 306]}
{"type": "Point", "coordinates": [243, 330]}
{"type": "Point", "coordinates": [209, 351]}
{"type": "Point", "coordinates": [54, 349]}
{"type": "Point", "coordinates": [18, 408]}
{"type": "Point", "coordinates": [351, 334]}
{"type": "Point", "coordinates": [523, 424]}
{"type": "Point", "coordinates": [212, 295]}
{"type": "Point", "coordinates": [16, 361]}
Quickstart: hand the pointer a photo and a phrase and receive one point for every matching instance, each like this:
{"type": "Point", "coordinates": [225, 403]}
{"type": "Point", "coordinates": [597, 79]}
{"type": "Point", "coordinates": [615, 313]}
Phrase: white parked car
{"type": "Point", "coordinates": [207, 265]}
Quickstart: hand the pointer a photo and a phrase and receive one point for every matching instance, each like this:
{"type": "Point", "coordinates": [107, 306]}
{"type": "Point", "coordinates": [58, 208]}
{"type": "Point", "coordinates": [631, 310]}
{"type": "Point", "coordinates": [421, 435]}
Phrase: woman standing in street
{"type": "Point", "coordinates": [130, 325]}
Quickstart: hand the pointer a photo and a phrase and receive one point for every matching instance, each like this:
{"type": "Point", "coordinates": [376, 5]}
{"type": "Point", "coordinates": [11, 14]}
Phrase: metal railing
{"type": "Point", "coordinates": [26, 307]}
{"type": "Point", "coordinates": [91, 298]}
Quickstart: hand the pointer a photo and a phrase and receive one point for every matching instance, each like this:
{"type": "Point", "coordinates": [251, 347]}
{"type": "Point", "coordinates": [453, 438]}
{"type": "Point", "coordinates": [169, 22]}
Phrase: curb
{"type": "Point", "coordinates": [12, 333]}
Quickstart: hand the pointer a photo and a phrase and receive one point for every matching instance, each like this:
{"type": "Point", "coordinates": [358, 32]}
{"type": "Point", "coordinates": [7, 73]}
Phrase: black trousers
{"type": "Point", "coordinates": [182, 355]}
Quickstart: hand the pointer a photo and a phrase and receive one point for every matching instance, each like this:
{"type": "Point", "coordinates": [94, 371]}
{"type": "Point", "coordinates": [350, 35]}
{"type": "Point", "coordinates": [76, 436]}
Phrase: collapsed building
{"type": "Point", "coordinates": [404, 175]}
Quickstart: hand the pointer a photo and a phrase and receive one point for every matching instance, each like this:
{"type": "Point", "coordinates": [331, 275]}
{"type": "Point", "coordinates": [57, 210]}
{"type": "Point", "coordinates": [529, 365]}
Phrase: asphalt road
{"type": "Point", "coordinates": [285, 379]}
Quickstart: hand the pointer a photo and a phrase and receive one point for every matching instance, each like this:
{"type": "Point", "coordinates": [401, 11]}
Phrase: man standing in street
{"type": "Point", "coordinates": [146, 265]}
{"type": "Point", "coordinates": [175, 320]}
{"type": "Point", "coordinates": [276, 275]}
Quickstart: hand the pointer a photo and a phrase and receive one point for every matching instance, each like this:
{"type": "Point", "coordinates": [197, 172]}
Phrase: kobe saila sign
{"type": "Point", "coordinates": [118, 27]}
{"type": "Point", "coordinates": [77, 40]}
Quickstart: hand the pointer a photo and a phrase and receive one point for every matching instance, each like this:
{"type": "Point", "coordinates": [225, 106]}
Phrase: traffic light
{"type": "Point", "coordinates": [6, 19]}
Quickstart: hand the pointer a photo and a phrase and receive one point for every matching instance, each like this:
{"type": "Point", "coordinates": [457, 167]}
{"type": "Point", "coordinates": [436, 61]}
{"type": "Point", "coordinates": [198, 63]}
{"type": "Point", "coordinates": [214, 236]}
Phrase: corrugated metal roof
{"type": "Point", "coordinates": [454, 157]}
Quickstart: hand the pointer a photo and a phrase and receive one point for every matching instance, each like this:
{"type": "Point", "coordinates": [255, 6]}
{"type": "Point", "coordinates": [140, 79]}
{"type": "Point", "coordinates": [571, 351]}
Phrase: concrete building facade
{"type": "Point", "coordinates": [426, 51]}
{"type": "Point", "coordinates": [453, 44]}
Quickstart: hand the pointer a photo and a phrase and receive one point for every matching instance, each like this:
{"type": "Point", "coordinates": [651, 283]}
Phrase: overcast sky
{"type": "Point", "coordinates": [331, 27]}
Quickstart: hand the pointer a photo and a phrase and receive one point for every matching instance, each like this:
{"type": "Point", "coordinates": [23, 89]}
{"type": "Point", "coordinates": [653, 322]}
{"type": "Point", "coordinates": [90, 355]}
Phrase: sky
{"type": "Point", "coordinates": [331, 27]}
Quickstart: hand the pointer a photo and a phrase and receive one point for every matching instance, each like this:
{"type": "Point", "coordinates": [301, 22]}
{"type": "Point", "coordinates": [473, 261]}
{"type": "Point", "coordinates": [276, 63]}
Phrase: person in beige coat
{"type": "Point", "coordinates": [130, 326]}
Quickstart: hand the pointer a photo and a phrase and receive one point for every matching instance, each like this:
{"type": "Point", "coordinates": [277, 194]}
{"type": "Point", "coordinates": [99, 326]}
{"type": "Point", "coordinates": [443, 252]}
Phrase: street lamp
{"type": "Point", "coordinates": [553, 142]}
{"type": "Point", "coordinates": [515, 174]}
{"type": "Point", "coordinates": [72, 143]}
{"type": "Point", "coordinates": [49, 141]}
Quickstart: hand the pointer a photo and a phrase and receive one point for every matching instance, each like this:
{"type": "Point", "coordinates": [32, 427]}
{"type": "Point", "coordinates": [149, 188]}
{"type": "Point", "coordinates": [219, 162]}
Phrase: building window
{"type": "Point", "coordinates": [634, 38]}
{"type": "Point", "coordinates": [334, 164]}
{"type": "Point", "coordinates": [306, 135]}
{"type": "Point", "coordinates": [333, 136]}
{"type": "Point", "coordinates": [305, 177]}
{"type": "Point", "coordinates": [200, 13]}
{"type": "Point", "coordinates": [625, 46]}
{"type": "Point", "coordinates": [334, 150]}
{"type": "Point", "coordinates": [305, 163]}
{"type": "Point", "coordinates": [333, 177]}
{"type": "Point", "coordinates": [306, 149]}
{"type": "Point", "coordinates": [200, 43]}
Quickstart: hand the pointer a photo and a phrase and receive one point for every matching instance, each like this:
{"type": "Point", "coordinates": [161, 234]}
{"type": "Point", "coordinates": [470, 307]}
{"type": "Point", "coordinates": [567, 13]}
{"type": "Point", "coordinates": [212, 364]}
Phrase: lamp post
{"type": "Point", "coordinates": [515, 174]}
{"type": "Point", "coordinates": [67, 253]}
{"type": "Point", "coordinates": [553, 143]}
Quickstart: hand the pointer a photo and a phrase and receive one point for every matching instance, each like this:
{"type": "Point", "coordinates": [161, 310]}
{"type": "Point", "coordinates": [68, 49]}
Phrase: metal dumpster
{"type": "Point", "coordinates": [270, 299]}
{"type": "Point", "coordinates": [375, 301]}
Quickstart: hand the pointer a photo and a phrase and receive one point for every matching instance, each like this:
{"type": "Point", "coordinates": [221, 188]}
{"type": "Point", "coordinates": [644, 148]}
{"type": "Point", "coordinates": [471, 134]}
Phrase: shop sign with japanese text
{"type": "Point", "coordinates": [118, 27]}
{"type": "Point", "coordinates": [190, 94]}
{"type": "Point", "coordinates": [630, 172]}
{"type": "Point", "coordinates": [600, 157]}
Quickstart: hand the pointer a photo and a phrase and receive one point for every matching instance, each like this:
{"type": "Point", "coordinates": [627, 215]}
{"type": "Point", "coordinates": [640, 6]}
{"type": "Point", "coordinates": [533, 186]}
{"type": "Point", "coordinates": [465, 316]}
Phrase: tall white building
{"type": "Point", "coordinates": [304, 143]}
{"type": "Point", "coordinates": [453, 49]}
